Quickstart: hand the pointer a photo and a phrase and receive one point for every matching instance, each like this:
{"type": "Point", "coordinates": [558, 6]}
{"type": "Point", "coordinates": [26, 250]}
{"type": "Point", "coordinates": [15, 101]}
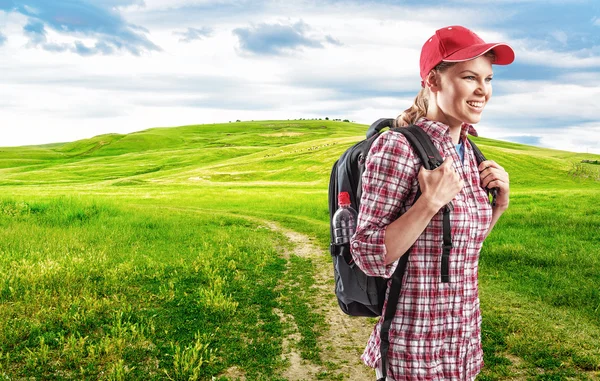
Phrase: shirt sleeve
{"type": "Point", "coordinates": [386, 184]}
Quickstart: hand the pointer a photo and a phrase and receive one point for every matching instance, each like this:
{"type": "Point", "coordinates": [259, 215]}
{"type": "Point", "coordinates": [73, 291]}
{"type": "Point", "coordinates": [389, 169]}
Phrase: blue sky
{"type": "Point", "coordinates": [73, 69]}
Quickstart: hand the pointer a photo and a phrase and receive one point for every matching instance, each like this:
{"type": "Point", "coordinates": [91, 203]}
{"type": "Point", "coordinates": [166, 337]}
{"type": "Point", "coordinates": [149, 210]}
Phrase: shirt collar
{"type": "Point", "coordinates": [437, 130]}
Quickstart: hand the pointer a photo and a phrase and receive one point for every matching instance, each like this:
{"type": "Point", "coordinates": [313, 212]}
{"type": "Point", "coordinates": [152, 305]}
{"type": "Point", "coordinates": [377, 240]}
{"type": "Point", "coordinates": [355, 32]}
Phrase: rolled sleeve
{"type": "Point", "coordinates": [386, 184]}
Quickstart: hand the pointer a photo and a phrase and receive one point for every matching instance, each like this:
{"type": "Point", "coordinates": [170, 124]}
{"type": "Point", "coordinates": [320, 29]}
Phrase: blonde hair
{"type": "Point", "coordinates": [416, 111]}
{"type": "Point", "coordinates": [421, 102]}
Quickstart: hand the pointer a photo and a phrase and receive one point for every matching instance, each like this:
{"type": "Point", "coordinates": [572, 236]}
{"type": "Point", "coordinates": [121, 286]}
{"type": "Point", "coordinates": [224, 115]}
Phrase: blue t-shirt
{"type": "Point", "coordinates": [460, 148]}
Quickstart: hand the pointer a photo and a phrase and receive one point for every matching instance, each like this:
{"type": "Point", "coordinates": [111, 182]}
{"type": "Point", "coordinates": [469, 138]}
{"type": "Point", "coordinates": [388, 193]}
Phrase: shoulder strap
{"type": "Point", "coordinates": [478, 155]}
{"type": "Point", "coordinates": [481, 158]}
{"type": "Point", "coordinates": [431, 159]}
{"type": "Point", "coordinates": [390, 312]}
{"type": "Point", "coordinates": [379, 125]}
{"type": "Point", "coordinates": [423, 146]}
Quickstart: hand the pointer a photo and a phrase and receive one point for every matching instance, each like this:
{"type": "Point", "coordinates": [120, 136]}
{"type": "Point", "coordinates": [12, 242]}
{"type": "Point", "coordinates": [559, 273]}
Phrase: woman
{"type": "Point", "coordinates": [436, 331]}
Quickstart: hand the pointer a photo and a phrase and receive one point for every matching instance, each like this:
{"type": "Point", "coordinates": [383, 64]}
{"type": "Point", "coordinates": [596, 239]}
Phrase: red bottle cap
{"type": "Point", "coordinates": [344, 198]}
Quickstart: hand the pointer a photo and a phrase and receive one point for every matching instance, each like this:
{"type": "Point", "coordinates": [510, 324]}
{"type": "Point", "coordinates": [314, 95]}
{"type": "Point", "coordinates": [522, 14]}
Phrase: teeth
{"type": "Point", "coordinates": [476, 104]}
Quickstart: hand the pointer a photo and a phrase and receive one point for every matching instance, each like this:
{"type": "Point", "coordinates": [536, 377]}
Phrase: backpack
{"type": "Point", "coordinates": [359, 294]}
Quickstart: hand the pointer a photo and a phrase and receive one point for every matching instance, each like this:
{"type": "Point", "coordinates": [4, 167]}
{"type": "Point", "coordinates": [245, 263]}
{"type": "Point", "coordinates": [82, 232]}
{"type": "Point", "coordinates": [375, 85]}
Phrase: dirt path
{"type": "Point", "coordinates": [345, 338]}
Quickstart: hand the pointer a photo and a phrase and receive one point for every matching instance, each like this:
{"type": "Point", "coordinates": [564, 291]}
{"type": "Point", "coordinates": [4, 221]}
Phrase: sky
{"type": "Point", "coordinates": [74, 69]}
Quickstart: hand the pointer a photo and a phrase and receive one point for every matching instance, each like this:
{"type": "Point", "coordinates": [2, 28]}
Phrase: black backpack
{"type": "Point", "coordinates": [359, 294]}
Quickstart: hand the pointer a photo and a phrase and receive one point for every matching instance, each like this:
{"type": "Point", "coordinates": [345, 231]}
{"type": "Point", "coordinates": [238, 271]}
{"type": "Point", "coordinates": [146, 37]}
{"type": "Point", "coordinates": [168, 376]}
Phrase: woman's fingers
{"type": "Point", "coordinates": [488, 180]}
{"type": "Point", "coordinates": [441, 184]}
{"type": "Point", "coordinates": [488, 164]}
{"type": "Point", "coordinates": [496, 184]}
{"type": "Point", "coordinates": [491, 173]}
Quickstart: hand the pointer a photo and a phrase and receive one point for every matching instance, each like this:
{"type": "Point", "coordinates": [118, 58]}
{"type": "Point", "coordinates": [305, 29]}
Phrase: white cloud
{"type": "Point", "coordinates": [275, 39]}
{"type": "Point", "coordinates": [567, 137]}
{"type": "Point", "coordinates": [174, 4]}
{"type": "Point", "coordinates": [574, 137]}
{"type": "Point", "coordinates": [99, 22]}
{"type": "Point", "coordinates": [585, 78]}
{"type": "Point", "coordinates": [560, 36]}
{"type": "Point", "coordinates": [546, 100]}
{"type": "Point", "coordinates": [192, 34]}
{"type": "Point", "coordinates": [538, 53]}
{"type": "Point", "coordinates": [373, 73]}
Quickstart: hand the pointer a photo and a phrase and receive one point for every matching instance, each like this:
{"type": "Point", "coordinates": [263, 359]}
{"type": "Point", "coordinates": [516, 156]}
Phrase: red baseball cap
{"type": "Point", "coordinates": [457, 44]}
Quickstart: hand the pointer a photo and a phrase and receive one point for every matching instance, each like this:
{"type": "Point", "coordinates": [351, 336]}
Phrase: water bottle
{"type": "Point", "coordinates": [344, 220]}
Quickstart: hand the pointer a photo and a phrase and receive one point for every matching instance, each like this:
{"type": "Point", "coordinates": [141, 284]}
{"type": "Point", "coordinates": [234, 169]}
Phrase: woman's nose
{"type": "Point", "coordinates": [482, 88]}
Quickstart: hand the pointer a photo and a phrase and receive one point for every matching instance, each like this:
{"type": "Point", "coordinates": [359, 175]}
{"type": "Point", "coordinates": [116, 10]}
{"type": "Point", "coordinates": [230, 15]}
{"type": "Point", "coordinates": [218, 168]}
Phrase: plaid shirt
{"type": "Point", "coordinates": [436, 332]}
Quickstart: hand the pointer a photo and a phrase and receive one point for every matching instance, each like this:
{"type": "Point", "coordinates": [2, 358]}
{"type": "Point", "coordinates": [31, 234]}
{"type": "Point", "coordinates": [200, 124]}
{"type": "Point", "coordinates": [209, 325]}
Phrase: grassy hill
{"type": "Point", "coordinates": [146, 256]}
{"type": "Point", "coordinates": [292, 152]}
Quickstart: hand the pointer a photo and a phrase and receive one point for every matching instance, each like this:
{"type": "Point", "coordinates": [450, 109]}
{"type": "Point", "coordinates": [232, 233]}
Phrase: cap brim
{"type": "Point", "coordinates": [504, 53]}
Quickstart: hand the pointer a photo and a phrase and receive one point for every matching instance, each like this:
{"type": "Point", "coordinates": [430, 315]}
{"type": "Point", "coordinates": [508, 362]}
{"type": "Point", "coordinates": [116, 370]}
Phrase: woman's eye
{"type": "Point", "coordinates": [470, 77]}
{"type": "Point", "coordinates": [488, 80]}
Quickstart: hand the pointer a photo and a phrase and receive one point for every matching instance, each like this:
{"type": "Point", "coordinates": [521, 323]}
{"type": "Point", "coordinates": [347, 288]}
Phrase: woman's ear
{"type": "Point", "coordinates": [433, 81]}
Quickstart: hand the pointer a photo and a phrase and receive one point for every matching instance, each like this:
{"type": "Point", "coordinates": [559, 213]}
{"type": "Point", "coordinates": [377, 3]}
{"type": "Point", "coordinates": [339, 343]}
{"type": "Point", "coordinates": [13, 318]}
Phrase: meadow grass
{"type": "Point", "coordinates": [139, 256]}
{"type": "Point", "coordinates": [89, 288]}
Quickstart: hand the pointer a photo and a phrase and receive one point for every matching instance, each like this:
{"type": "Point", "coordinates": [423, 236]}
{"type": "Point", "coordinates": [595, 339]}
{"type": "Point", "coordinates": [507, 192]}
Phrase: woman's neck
{"type": "Point", "coordinates": [454, 126]}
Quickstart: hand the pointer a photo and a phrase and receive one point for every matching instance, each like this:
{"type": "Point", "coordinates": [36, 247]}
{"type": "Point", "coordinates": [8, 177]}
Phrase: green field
{"type": "Point", "coordinates": [150, 256]}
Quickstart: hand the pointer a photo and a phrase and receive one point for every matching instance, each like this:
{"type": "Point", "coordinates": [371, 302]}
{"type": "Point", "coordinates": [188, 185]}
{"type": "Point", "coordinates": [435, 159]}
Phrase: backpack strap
{"type": "Point", "coordinates": [390, 311]}
{"type": "Point", "coordinates": [481, 158]}
{"type": "Point", "coordinates": [431, 159]}
{"type": "Point", "coordinates": [422, 144]}
{"type": "Point", "coordinates": [379, 125]}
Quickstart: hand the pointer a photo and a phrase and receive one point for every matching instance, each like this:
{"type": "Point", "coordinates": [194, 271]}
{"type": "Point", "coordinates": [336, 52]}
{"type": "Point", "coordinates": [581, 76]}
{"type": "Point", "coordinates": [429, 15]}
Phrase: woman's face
{"type": "Point", "coordinates": [465, 89]}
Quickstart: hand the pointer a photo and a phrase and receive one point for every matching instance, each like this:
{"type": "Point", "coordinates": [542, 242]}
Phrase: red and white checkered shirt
{"type": "Point", "coordinates": [436, 332]}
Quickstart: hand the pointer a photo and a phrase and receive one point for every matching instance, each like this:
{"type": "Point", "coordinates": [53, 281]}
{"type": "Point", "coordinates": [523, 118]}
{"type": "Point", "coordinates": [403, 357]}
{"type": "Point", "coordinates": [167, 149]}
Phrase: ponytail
{"type": "Point", "coordinates": [414, 112]}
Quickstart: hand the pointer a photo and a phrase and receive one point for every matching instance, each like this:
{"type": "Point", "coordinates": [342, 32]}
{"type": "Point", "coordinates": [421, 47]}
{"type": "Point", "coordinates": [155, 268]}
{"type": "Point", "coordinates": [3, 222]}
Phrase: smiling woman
{"type": "Point", "coordinates": [435, 333]}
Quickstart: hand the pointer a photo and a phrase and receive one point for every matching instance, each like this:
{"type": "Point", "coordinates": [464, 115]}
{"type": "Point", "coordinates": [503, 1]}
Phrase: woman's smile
{"type": "Point", "coordinates": [476, 106]}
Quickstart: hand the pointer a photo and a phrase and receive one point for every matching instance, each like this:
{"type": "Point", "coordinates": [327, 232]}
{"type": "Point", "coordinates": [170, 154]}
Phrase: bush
{"type": "Point", "coordinates": [584, 172]}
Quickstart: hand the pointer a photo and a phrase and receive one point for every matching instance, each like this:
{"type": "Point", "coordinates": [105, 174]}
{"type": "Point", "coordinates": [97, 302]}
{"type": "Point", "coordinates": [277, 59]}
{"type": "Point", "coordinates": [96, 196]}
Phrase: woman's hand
{"type": "Point", "coordinates": [494, 176]}
{"type": "Point", "coordinates": [439, 186]}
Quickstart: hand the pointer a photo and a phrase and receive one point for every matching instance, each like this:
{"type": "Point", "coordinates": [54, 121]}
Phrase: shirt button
{"type": "Point", "coordinates": [355, 245]}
